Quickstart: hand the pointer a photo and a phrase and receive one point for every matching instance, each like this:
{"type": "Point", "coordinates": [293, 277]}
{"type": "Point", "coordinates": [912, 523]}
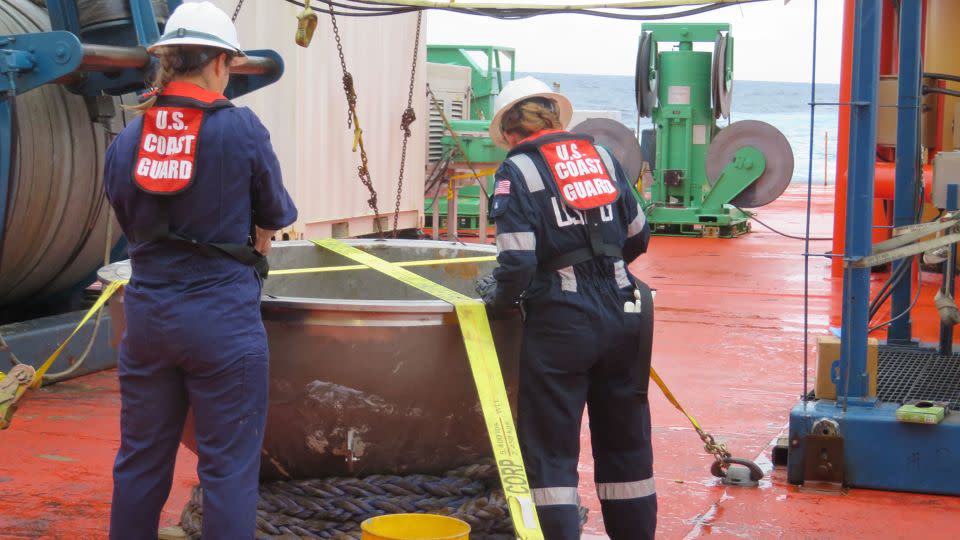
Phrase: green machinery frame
{"type": "Point", "coordinates": [682, 201]}
{"type": "Point", "coordinates": [486, 81]}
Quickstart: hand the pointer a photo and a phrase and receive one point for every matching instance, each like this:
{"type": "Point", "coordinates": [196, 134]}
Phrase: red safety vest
{"type": "Point", "coordinates": [169, 138]}
{"type": "Point", "coordinates": [580, 174]}
{"type": "Point", "coordinates": [585, 184]}
{"type": "Point", "coordinates": [166, 165]}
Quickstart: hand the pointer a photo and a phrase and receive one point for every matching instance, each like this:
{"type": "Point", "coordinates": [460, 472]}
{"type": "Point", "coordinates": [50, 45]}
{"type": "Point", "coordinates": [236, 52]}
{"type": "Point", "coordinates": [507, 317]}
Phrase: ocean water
{"type": "Point", "coordinates": [785, 105]}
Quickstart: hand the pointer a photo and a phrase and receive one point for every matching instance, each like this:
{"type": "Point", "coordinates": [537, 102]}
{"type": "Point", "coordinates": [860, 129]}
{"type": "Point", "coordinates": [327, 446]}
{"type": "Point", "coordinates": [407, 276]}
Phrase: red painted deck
{"type": "Point", "coordinates": [729, 342]}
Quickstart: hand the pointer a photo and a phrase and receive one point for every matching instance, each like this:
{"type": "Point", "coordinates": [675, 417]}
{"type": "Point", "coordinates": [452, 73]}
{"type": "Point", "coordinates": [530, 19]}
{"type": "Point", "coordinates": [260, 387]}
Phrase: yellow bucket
{"type": "Point", "coordinates": [414, 527]}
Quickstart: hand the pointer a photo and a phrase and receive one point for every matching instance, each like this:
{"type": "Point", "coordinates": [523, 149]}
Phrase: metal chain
{"type": "Point", "coordinates": [236, 12]}
{"type": "Point", "coordinates": [408, 118]}
{"type": "Point", "coordinates": [711, 446]}
{"type": "Point", "coordinates": [363, 171]}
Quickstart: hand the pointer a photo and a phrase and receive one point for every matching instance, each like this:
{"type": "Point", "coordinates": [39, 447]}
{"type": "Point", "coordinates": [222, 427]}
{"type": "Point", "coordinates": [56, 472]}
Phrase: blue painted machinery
{"type": "Point", "coordinates": [65, 71]}
{"type": "Point", "coordinates": [858, 440]}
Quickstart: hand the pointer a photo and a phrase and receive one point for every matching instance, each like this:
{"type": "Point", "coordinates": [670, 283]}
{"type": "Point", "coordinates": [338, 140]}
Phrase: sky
{"type": "Point", "coordinates": [773, 40]}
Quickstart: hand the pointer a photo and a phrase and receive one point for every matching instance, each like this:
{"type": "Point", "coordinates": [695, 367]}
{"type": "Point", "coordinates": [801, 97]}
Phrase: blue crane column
{"type": "Point", "coordinates": [870, 448]}
{"type": "Point", "coordinates": [852, 383]}
{"type": "Point", "coordinates": [908, 103]}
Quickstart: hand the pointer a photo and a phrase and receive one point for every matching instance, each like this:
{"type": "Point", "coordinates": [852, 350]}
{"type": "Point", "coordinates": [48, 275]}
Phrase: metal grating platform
{"type": "Point", "coordinates": [909, 374]}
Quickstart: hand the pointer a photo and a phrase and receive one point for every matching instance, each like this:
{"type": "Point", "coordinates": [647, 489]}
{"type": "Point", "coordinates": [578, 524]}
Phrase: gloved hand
{"type": "Point", "coordinates": [487, 289]}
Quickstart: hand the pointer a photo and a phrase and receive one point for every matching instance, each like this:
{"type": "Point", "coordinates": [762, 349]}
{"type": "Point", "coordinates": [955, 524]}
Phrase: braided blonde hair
{"type": "Point", "coordinates": [178, 61]}
{"type": "Point", "coordinates": [530, 116]}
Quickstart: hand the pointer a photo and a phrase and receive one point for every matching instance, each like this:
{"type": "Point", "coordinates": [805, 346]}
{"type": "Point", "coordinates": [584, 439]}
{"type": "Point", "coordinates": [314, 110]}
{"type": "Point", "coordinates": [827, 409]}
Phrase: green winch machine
{"type": "Point", "coordinates": [703, 176]}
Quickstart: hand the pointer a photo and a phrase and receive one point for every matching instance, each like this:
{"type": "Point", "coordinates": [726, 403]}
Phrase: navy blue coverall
{"type": "Point", "coordinates": [580, 347]}
{"type": "Point", "coordinates": [194, 335]}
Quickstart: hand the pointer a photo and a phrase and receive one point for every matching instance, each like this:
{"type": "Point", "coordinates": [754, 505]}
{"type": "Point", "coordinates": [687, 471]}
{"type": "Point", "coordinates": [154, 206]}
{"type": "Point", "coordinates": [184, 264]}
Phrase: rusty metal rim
{"type": "Point", "coordinates": [389, 306]}
{"type": "Point", "coordinates": [115, 270]}
{"type": "Point", "coordinates": [394, 306]}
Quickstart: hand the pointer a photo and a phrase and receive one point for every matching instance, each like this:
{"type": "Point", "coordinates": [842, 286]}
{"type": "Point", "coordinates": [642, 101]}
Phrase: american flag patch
{"type": "Point", "coordinates": [503, 188]}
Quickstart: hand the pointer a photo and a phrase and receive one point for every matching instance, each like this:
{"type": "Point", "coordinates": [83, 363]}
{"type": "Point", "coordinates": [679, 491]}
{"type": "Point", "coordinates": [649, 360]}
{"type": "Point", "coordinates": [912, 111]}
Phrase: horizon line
{"type": "Point", "coordinates": [629, 75]}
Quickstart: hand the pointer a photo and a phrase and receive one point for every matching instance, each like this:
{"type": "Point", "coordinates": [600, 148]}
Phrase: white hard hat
{"type": "Point", "coordinates": [518, 90]}
{"type": "Point", "coordinates": [200, 23]}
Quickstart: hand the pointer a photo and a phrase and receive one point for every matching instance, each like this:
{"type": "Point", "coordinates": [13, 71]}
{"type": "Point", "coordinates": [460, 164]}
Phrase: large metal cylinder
{"type": "Point", "coordinates": [683, 141]}
{"type": "Point", "coordinates": [57, 214]}
{"type": "Point", "coordinates": [365, 366]}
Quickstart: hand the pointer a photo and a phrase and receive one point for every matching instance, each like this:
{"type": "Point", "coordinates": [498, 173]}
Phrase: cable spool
{"type": "Point", "coordinates": [56, 222]}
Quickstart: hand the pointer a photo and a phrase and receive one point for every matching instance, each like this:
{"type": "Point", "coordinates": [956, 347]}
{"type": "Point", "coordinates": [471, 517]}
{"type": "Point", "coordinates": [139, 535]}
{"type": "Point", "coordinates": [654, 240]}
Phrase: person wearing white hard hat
{"type": "Point", "coordinates": [197, 190]}
{"type": "Point", "coordinates": [201, 24]}
{"type": "Point", "coordinates": [568, 224]}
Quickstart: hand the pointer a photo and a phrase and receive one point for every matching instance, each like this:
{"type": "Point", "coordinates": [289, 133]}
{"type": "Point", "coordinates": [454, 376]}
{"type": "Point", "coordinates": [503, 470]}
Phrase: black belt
{"type": "Point", "coordinates": [242, 253]}
{"type": "Point", "coordinates": [597, 247]}
{"type": "Point", "coordinates": [581, 255]}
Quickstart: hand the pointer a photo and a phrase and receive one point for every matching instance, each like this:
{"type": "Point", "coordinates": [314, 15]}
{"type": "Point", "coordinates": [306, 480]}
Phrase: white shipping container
{"type": "Point", "coordinates": [306, 113]}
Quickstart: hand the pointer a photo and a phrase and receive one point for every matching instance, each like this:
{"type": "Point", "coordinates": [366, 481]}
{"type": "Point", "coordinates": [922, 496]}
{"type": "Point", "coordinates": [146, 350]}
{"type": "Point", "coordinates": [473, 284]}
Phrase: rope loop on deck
{"type": "Point", "coordinates": [334, 508]}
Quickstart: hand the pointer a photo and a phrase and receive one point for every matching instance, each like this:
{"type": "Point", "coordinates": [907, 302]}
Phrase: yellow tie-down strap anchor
{"type": "Point", "coordinates": [8, 404]}
{"type": "Point", "coordinates": [485, 365]}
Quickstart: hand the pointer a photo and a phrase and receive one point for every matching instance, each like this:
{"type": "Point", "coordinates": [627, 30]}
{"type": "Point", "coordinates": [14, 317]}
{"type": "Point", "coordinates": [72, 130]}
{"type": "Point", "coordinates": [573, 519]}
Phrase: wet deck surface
{"type": "Point", "coordinates": [729, 343]}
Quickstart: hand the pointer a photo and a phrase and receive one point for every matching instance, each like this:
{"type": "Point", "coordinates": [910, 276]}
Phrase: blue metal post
{"type": "Point", "coordinates": [64, 15]}
{"type": "Point", "coordinates": [946, 328]}
{"type": "Point", "coordinates": [863, 127]}
{"type": "Point", "coordinates": [908, 127]}
{"type": "Point", "coordinates": [8, 135]}
{"type": "Point", "coordinates": [145, 21]}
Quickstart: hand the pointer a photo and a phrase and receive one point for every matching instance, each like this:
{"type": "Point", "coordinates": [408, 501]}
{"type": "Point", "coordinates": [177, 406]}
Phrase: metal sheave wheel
{"type": "Point", "coordinates": [645, 81]}
{"type": "Point", "coordinates": [776, 151]}
{"type": "Point", "coordinates": [714, 88]}
{"type": "Point", "coordinates": [721, 85]}
{"type": "Point", "coordinates": [619, 140]}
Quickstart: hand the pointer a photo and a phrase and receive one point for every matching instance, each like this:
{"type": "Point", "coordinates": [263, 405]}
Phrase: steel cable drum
{"type": "Point", "coordinates": [57, 212]}
{"type": "Point", "coordinates": [108, 21]}
{"type": "Point", "coordinates": [94, 12]}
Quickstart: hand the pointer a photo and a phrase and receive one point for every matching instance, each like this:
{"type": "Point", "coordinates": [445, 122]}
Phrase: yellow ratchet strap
{"type": "Point", "coordinates": [104, 297]}
{"type": "Point", "coordinates": [320, 269]}
{"type": "Point", "coordinates": [672, 399]}
{"type": "Point", "coordinates": [485, 365]}
{"type": "Point", "coordinates": [42, 370]}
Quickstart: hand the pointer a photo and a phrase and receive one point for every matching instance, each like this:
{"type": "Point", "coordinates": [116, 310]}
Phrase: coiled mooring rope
{"type": "Point", "coordinates": [334, 508]}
